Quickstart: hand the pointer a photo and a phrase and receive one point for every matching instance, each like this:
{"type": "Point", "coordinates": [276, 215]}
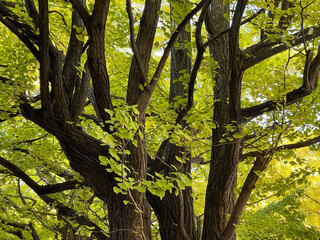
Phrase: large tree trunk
{"type": "Point", "coordinates": [131, 221]}
{"type": "Point", "coordinates": [220, 196]}
{"type": "Point", "coordinates": [175, 213]}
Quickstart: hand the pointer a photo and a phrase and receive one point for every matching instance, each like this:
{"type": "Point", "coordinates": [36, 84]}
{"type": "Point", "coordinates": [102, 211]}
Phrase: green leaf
{"type": "Point", "coordinates": [237, 135]}
{"type": "Point", "coordinates": [158, 192]}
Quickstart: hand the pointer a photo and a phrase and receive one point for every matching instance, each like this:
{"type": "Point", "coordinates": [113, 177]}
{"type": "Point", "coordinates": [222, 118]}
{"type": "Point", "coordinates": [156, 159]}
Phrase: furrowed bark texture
{"type": "Point", "coordinates": [175, 213]}
{"type": "Point", "coordinates": [220, 197]}
{"type": "Point", "coordinates": [137, 216]}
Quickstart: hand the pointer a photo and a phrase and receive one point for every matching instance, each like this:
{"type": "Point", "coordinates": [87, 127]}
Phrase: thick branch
{"type": "Point", "coordinates": [96, 58]}
{"type": "Point", "coordinates": [134, 45]}
{"type": "Point", "coordinates": [22, 30]}
{"type": "Point", "coordinates": [266, 49]}
{"type": "Point", "coordinates": [144, 42]}
{"type": "Point", "coordinates": [235, 27]}
{"type": "Point", "coordinates": [144, 99]}
{"type": "Point", "coordinates": [9, 115]}
{"type": "Point", "coordinates": [80, 94]}
{"type": "Point", "coordinates": [196, 66]}
{"type": "Point", "coordinates": [44, 56]}
{"type": "Point", "coordinates": [158, 162]}
{"type": "Point", "coordinates": [259, 166]}
{"type": "Point", "coordinates": [310, 83]}
{"type": "Point", "coordinates": [283, 147]}
{"type": "Point", "coordinates": [236, 62]}
{"type": "Point", "coordinates": [32, 12]}
{"type": "Point", "coordinates": [23, 226]}
{"type": "Point", "coordinates": [78, 5]}
{"type": "Point", "coordinates": [249, 19]}
{"type": "Point", "coordinates": [63, 210]}
{"type": "Point", "coordinates": [173, 39]}
{"type": "Point", "coordinates": [40, 190]}
{"type": "Point", "coordinates": [72, 61]}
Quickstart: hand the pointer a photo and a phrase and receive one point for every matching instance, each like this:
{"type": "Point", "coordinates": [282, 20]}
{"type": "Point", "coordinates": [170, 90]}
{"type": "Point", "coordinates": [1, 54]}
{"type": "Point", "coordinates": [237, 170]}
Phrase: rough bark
{"type": "Point", "coordinates": [220, 197]}
{"type": "Point", "coordinates": [175, 213]}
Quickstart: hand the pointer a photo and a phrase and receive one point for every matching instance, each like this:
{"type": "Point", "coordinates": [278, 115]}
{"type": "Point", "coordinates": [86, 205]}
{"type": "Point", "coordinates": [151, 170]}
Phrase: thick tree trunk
{"type": "Point", "coordinates": [220, 196]}
{"type": "Point", "coordinates": [131, 221]}
{"type": "Point", "coordinates": [175, 213]}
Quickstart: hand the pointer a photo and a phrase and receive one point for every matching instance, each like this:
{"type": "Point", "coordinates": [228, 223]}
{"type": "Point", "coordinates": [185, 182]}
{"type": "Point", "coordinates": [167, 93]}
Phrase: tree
{"type": "Point", "coordinates": [90, 81]}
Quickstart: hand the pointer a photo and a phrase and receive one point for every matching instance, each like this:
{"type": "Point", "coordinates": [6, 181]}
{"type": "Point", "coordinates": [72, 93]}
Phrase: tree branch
{"type": "Point", "coordinates": [249, 19]}
{"type": "Point", "coordinates": [22, 30]}
{"type": "Point", "coordinates": [81, 93]}
{"type": "Point", "coordinates": [146, 95]}
{"type": "Point", "coordinates": [282, 147]}
{"type": "Point", "coordinates": [97, 60]}
{"type": "Point", "coordinates": [173, 39]}
{"type": "Point", "coordinates": [310, 83]}
{"type": "Point", "coordinates": [78, 5]}
{"type": "Point", "coordinates": [5, 80]}
{"type": "Point", "coordinates": [134, 47]}
{"type": "Point", "coordinates": [73, 56]}
{"type": "Point", "coordinates": [23, 226]}
{"type": "Point", "coordinates": [33, 212]}
{"type": "Point", "coordinates": [235, 27]}
{"type": "Point", "coordinates": [40, 190]}
{"type": "Point", "coordinates": [144, 41]}
{"type": "Point", "coordinates": [259, 166]}
{"type": "Point", "coordinates": [196, 66]}
{"type": "Point", "coordinates": [32, 12]}
{"type": "Point", "coordinates": [266, 49]}
{"type": "Point", "coordinates": [9, 116]}
{"type": "Point", "coordinates": [44, 57]}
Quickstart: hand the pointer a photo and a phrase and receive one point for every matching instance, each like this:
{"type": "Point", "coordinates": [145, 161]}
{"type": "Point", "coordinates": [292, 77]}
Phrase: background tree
{"type": "Point", "coordinates": [91, 85]}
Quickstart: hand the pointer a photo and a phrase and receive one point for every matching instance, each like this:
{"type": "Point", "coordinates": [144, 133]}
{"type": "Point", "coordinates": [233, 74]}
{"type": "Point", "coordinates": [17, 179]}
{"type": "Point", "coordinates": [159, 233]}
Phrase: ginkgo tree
{"type": "Point", "coordinates": [110, 109]}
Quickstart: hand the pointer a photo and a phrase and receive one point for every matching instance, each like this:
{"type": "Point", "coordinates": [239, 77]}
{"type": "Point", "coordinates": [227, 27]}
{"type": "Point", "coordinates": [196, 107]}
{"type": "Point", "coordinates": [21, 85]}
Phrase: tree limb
{"type": "Point", "coordinates": [70, 72]}
{"type": "Point", "coordinates": [196, 66]}
{"type": "Point", "coordinates": [235, 27]}
{"type": "Point", "coordinates": [22, 30]}
{"type": "Point", "coordinates": [78, 5]}
{"type": "Point", "coordinates": [144, 42]}
{"type": "Point", "coordinates": [146, 95]}
{"type": "Point", "coordinates": [97, 60]}
{"type": "Point", "coordinates": [266, 49]}
{"type": "Point", "coordinates": [134, 47]}
{"type": "Point", "coordinates": [40, 190]}
{"type": "Point", "coordinates": [259, 165]}
{"type": "Point", "coordinates": [81, 92]}
{"type": "Point", "coordinates": [44, 57]}
{"type": "Point", "coordinates": [282, 147]}
{"type": "Point", "coordinates": [10, 115]}
{"type": "Point", "coordinates": [33, 212]}
{"type": "Point", "coordinates": [173, 39]}
{"type": "Point", "coordinates": [249, 19]}
{"type": "Point", "coordinates": [310, 83]}
{"type": "Point", "coordinates": [23, 226]}
{"type": "Point", "coordinates": [32, 12]}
